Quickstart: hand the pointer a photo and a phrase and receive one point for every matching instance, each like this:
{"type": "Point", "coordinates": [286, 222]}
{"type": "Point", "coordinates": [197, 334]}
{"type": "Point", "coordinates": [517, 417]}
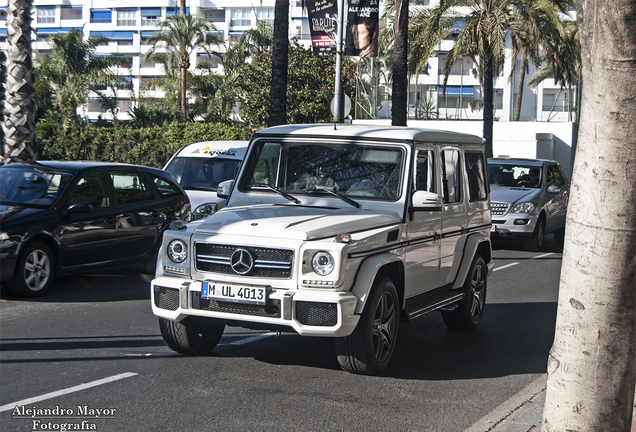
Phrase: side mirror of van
{"type": "Point", "coordinates": [224, 188]}
{"type": "Point", "coordinates": [424, 200]}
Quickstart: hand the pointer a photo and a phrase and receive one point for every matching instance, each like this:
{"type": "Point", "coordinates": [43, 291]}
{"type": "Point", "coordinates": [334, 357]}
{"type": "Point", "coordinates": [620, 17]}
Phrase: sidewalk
{"type": "Point", "coordinates": [521, 413]}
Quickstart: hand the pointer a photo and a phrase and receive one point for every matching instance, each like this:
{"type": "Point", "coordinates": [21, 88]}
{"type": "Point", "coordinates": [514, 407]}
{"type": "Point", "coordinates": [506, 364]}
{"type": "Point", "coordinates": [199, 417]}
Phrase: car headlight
{"type": "Point", "coordinates": [177, 251]}
{"type": "Point", "coordinates": [525, 207]}
{"type": "Point", "coordinates": [204, 210]}
{"type": "Point", "coordinates": [322, 263]}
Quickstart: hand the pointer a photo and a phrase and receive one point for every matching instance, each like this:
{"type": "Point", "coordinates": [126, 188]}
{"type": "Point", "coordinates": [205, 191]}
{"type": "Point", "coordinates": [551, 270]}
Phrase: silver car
{"type": "Point", "coordinates": [529, 199]}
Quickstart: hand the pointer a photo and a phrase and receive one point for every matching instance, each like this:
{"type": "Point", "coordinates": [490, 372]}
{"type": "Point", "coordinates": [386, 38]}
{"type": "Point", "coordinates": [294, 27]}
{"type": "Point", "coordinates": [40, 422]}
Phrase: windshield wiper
{"type": "Point", "coordinates": [278, 191]}
{"type": "Point", "coordinates": [342, 197]}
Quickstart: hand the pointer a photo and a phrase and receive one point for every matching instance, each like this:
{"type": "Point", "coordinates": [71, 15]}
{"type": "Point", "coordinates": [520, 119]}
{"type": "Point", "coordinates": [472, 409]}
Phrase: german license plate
{"type": "Point", "coordinates": [234, 293]}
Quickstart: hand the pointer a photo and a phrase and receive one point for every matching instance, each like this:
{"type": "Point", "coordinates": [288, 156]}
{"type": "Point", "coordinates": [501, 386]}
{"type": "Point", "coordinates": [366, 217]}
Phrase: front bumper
{"type": "Point", "coordinates": [311, 312]}
{"type": "Point", "coordinates": [514, 225]}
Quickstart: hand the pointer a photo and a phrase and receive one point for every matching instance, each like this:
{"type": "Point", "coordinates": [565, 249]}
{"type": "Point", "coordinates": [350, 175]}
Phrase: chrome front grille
{"type": "Point", "coordinates": [266, 262]}
{"type": "Point", "coordinates": [499, 209]}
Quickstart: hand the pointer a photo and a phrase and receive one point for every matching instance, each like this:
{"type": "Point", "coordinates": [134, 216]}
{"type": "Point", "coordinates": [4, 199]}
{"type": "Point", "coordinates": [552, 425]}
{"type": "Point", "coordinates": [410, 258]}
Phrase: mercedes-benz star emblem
{"type": "Point", "coordinates": [242, 261]}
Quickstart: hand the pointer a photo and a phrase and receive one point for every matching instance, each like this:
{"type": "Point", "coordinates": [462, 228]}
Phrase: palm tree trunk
{"type": "Point", "coordinates": [19, 121]}
{"type": "Point", "coordinates": [520, 85]}
{"type": "Point", "coordinates": [182, 88]}
{"type": "Point", "coordinates": [280, 53]}
{"type": "Point", "coordinates": [488, 102]}
{"type": "Point", "coordinates": [399, 98]}
{"type": "Point", "coordinates": [592, 363]}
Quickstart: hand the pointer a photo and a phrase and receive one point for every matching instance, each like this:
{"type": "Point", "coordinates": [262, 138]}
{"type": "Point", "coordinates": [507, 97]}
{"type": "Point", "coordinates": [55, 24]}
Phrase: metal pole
{"type": "Point", "coordinates": [338, 90]}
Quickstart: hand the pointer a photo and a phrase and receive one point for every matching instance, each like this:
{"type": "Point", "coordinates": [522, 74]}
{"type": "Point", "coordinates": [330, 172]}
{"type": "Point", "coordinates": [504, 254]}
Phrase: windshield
{"type": "Point", "coordinates": [512, 175]}
{"type": "Point", "coordinates": [30, 185]}
{"type": "Point", "coordinates": [351, 170]}
{"type": "Point", "coordinates": [202, 173]}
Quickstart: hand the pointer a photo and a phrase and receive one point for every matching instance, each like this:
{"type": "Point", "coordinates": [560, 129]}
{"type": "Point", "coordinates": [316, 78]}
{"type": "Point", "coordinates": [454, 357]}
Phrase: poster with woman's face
{"type": "Point", "coordinates": [363, 21]}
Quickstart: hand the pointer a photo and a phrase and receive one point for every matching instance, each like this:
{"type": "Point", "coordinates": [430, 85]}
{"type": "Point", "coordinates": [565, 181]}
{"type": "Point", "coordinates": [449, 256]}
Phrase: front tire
{"type": "Point", "coordinates": [34, 272]}
{"type": "Point", "coordinates": [368, 350]}
{"type": "Point", "coordinates": [535, 242]}
{"type": "Point", "coordinates": [470, 310]}
{"type": "Point", "coordinates": [192, 336]}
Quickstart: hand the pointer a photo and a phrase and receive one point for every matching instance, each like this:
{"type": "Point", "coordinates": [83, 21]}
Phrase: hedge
{"type": "Point", "coordinates": [147, 146]}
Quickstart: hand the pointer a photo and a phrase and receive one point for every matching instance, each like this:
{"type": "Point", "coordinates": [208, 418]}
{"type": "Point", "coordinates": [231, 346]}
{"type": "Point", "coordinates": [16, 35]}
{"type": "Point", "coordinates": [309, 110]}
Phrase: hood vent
{"type": "Point", "coordinates": [392, 235]}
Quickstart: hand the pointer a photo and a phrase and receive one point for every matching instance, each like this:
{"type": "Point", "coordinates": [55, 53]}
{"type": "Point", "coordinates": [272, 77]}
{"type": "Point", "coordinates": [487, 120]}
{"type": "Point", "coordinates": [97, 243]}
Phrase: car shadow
{"type": "Point", "coordinates": [550, 244]}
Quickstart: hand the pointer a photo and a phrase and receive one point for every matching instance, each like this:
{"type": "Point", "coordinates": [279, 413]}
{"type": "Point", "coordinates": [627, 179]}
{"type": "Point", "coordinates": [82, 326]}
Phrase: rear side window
{"type": "Point", "coordinates": [130, 187]}
{"type": "Point", "coordinates": [91, 188]}
{"type": "Point", "coordinates": [425, 171]}
{"type": "Point", "coordinates": [476, 172]}
{"type": "Point", "coordinates": [451, 176]}
{"type": "Point", "coordinates": [165, 187]}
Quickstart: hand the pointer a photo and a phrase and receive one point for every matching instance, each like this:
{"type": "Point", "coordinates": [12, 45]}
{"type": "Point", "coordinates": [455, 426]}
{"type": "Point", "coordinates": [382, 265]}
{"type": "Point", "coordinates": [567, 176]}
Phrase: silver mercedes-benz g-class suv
{"type": "Point", "coordinates": [334, 231]}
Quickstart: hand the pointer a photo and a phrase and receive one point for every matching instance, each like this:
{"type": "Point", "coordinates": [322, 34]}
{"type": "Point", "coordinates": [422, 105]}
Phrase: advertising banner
{"type": "Point", "coordinates": [363, 22]}
{"type": "Point", "coordinates": [323, 25]}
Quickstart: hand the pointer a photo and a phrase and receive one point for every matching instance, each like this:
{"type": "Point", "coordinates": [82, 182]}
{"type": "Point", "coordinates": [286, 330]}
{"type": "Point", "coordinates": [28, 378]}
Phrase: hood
{"type": "Point", "coordinates": [292, 222]}
{"type": "Point", "coordinates": [512, 195]}
{"type": "Point", "coordinates": [10, 212]}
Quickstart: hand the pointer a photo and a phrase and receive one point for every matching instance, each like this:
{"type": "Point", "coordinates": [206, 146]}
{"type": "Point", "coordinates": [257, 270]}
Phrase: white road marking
{"type": "Point", "coordinates": [505, 266]}
{"type": "Point", "coordinates": [543, 256]}
{"type": "Point", "coordinates": [252, 339]}
{"type": "Point", "coordinates": [77, 388]}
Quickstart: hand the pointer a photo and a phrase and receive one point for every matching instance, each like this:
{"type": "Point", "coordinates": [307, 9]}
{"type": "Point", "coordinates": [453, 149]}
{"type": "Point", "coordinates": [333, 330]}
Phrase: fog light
{"type": "Point", "coordinates": [522, 221]}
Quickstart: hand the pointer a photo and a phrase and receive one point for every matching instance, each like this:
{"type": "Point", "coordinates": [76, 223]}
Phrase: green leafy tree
{"type": "Point", "coordinates": [310, 86]}
{"type": "Point", "coordinates": [73, 71]}
{"type": "Point", "coordinates": [180, 36]}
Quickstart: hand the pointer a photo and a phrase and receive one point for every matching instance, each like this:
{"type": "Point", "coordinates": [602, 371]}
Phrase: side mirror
{"type": "Point", "coordinates": [224, 189]}
{"type": "Point", "coordinates": [554, 189]}
{"type": "Point", "coordinates": [80, 207]}
{"type": "Point", "coordinates": [424, 200]}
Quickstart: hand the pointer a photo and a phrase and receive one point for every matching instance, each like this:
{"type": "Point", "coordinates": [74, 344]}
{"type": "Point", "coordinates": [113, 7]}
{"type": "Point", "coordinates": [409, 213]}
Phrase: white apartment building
{"type": "Point", "coordinates": [129, 28]}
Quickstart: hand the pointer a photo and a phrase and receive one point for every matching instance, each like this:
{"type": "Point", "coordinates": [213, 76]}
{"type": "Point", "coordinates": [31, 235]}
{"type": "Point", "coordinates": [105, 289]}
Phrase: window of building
{"type": "Point", "coordinates": [126, 17]}
{"type": "Point", "coordinates": [94, 105]}
{"type": "Point", "coordinates": [46, 15]}
{"type": "Point", "coordinates": [101, 16]}
{"type": "Point", "coordinates": [549, 101]}
{"type": "Point", "coordinates": [498, 99]}
{"type": "Point", "coordinates": [3, 15]}
{"type": "Point", "coordinates": [150, 16]}
{"type": "Point", "coordinates": [215, 15]}
{"type": "Point", "coordinates": [72, 12]}
{"type": "Point", "coordinates": [241, 17]}
{"type": "Point", "coordinates": [266, 15]}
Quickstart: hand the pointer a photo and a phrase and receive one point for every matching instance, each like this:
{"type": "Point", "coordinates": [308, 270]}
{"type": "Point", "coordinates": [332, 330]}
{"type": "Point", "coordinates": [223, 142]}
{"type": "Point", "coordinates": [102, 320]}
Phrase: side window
{"type": "Point", "coordinates": [130, 187]}
{"type": "Point", "coordinates": [451, 176]}
{"type": "Point", "coordinates": [91, 188]}
{"type": "Point", "coordinates": [476, 172]}
{"type": "Point", "coordinates": [165, 187]}
{"type": "Point", "coordinates": [425, 171]}
{"type": "Point", "coordinates": [554, 176]}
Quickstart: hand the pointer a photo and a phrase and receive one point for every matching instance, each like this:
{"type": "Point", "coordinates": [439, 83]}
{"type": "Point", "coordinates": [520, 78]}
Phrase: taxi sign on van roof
{"type": "Point", "coordinates": [228, 149]}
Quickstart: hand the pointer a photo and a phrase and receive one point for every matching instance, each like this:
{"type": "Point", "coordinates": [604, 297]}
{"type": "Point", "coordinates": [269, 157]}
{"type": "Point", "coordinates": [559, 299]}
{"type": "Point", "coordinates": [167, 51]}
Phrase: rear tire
{"type": "Point", "coordinates": [470, 309]}
{"type": "Point", "coordinates": [34, 272]}
{"type": "Point", "coordinates": [368, 350]}
{"type": "Point", "coordinates": [192, 336]}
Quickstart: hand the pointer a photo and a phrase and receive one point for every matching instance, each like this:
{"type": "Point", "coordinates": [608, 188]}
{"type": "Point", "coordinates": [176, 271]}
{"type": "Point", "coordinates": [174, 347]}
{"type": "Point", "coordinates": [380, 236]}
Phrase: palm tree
{"type": "Point", "coordinates": [181, 35]}
{"type": "Point", "coordinates": [253, 41]}
{"type": "Point", "coordinates": [73, 71]}
{"type": "Point", "coordinates": [534, 28]}
{"type": "Point", "coordinates": [280, 54]}
{"type": "Point", "coordinates": [19, 121]}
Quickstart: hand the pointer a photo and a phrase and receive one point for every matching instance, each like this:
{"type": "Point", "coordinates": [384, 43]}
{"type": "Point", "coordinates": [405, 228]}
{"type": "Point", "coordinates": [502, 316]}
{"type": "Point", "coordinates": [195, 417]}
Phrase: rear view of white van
{"type": "Point", "coordinates": [200, 167]}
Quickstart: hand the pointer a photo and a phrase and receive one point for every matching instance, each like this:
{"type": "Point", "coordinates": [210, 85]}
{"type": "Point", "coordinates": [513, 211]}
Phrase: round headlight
{"type": "Point", "coordinates": [177, 251]}
{"type": "Point", "coordinates": [525, 207]}
{"type": "Point", "coordinates": [322, 263]}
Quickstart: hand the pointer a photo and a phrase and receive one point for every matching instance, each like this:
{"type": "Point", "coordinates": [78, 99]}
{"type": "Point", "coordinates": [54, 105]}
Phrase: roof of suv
{"type": "Point", "coordinates": [392, 133]}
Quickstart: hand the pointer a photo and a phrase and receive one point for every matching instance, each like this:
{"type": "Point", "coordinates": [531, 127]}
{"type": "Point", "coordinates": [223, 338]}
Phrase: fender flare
{"type": "Point", "coordinates": [473, 243]}
{"type": "Point", "coordinates": [366, 275]}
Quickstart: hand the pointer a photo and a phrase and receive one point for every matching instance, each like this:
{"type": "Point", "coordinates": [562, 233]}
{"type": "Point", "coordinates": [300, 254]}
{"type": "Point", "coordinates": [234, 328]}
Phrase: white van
{"type": "Point", "coordinates": [200, 167]}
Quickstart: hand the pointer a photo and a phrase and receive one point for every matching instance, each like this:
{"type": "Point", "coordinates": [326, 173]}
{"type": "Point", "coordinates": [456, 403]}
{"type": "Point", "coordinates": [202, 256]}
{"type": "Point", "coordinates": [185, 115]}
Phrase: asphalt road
{"type": "Point", "coordinates": [93, 347]}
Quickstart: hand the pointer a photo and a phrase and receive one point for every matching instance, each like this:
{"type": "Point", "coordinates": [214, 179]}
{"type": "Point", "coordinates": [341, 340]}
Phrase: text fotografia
{"type": "Point", "coordinates": [63, 419]}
